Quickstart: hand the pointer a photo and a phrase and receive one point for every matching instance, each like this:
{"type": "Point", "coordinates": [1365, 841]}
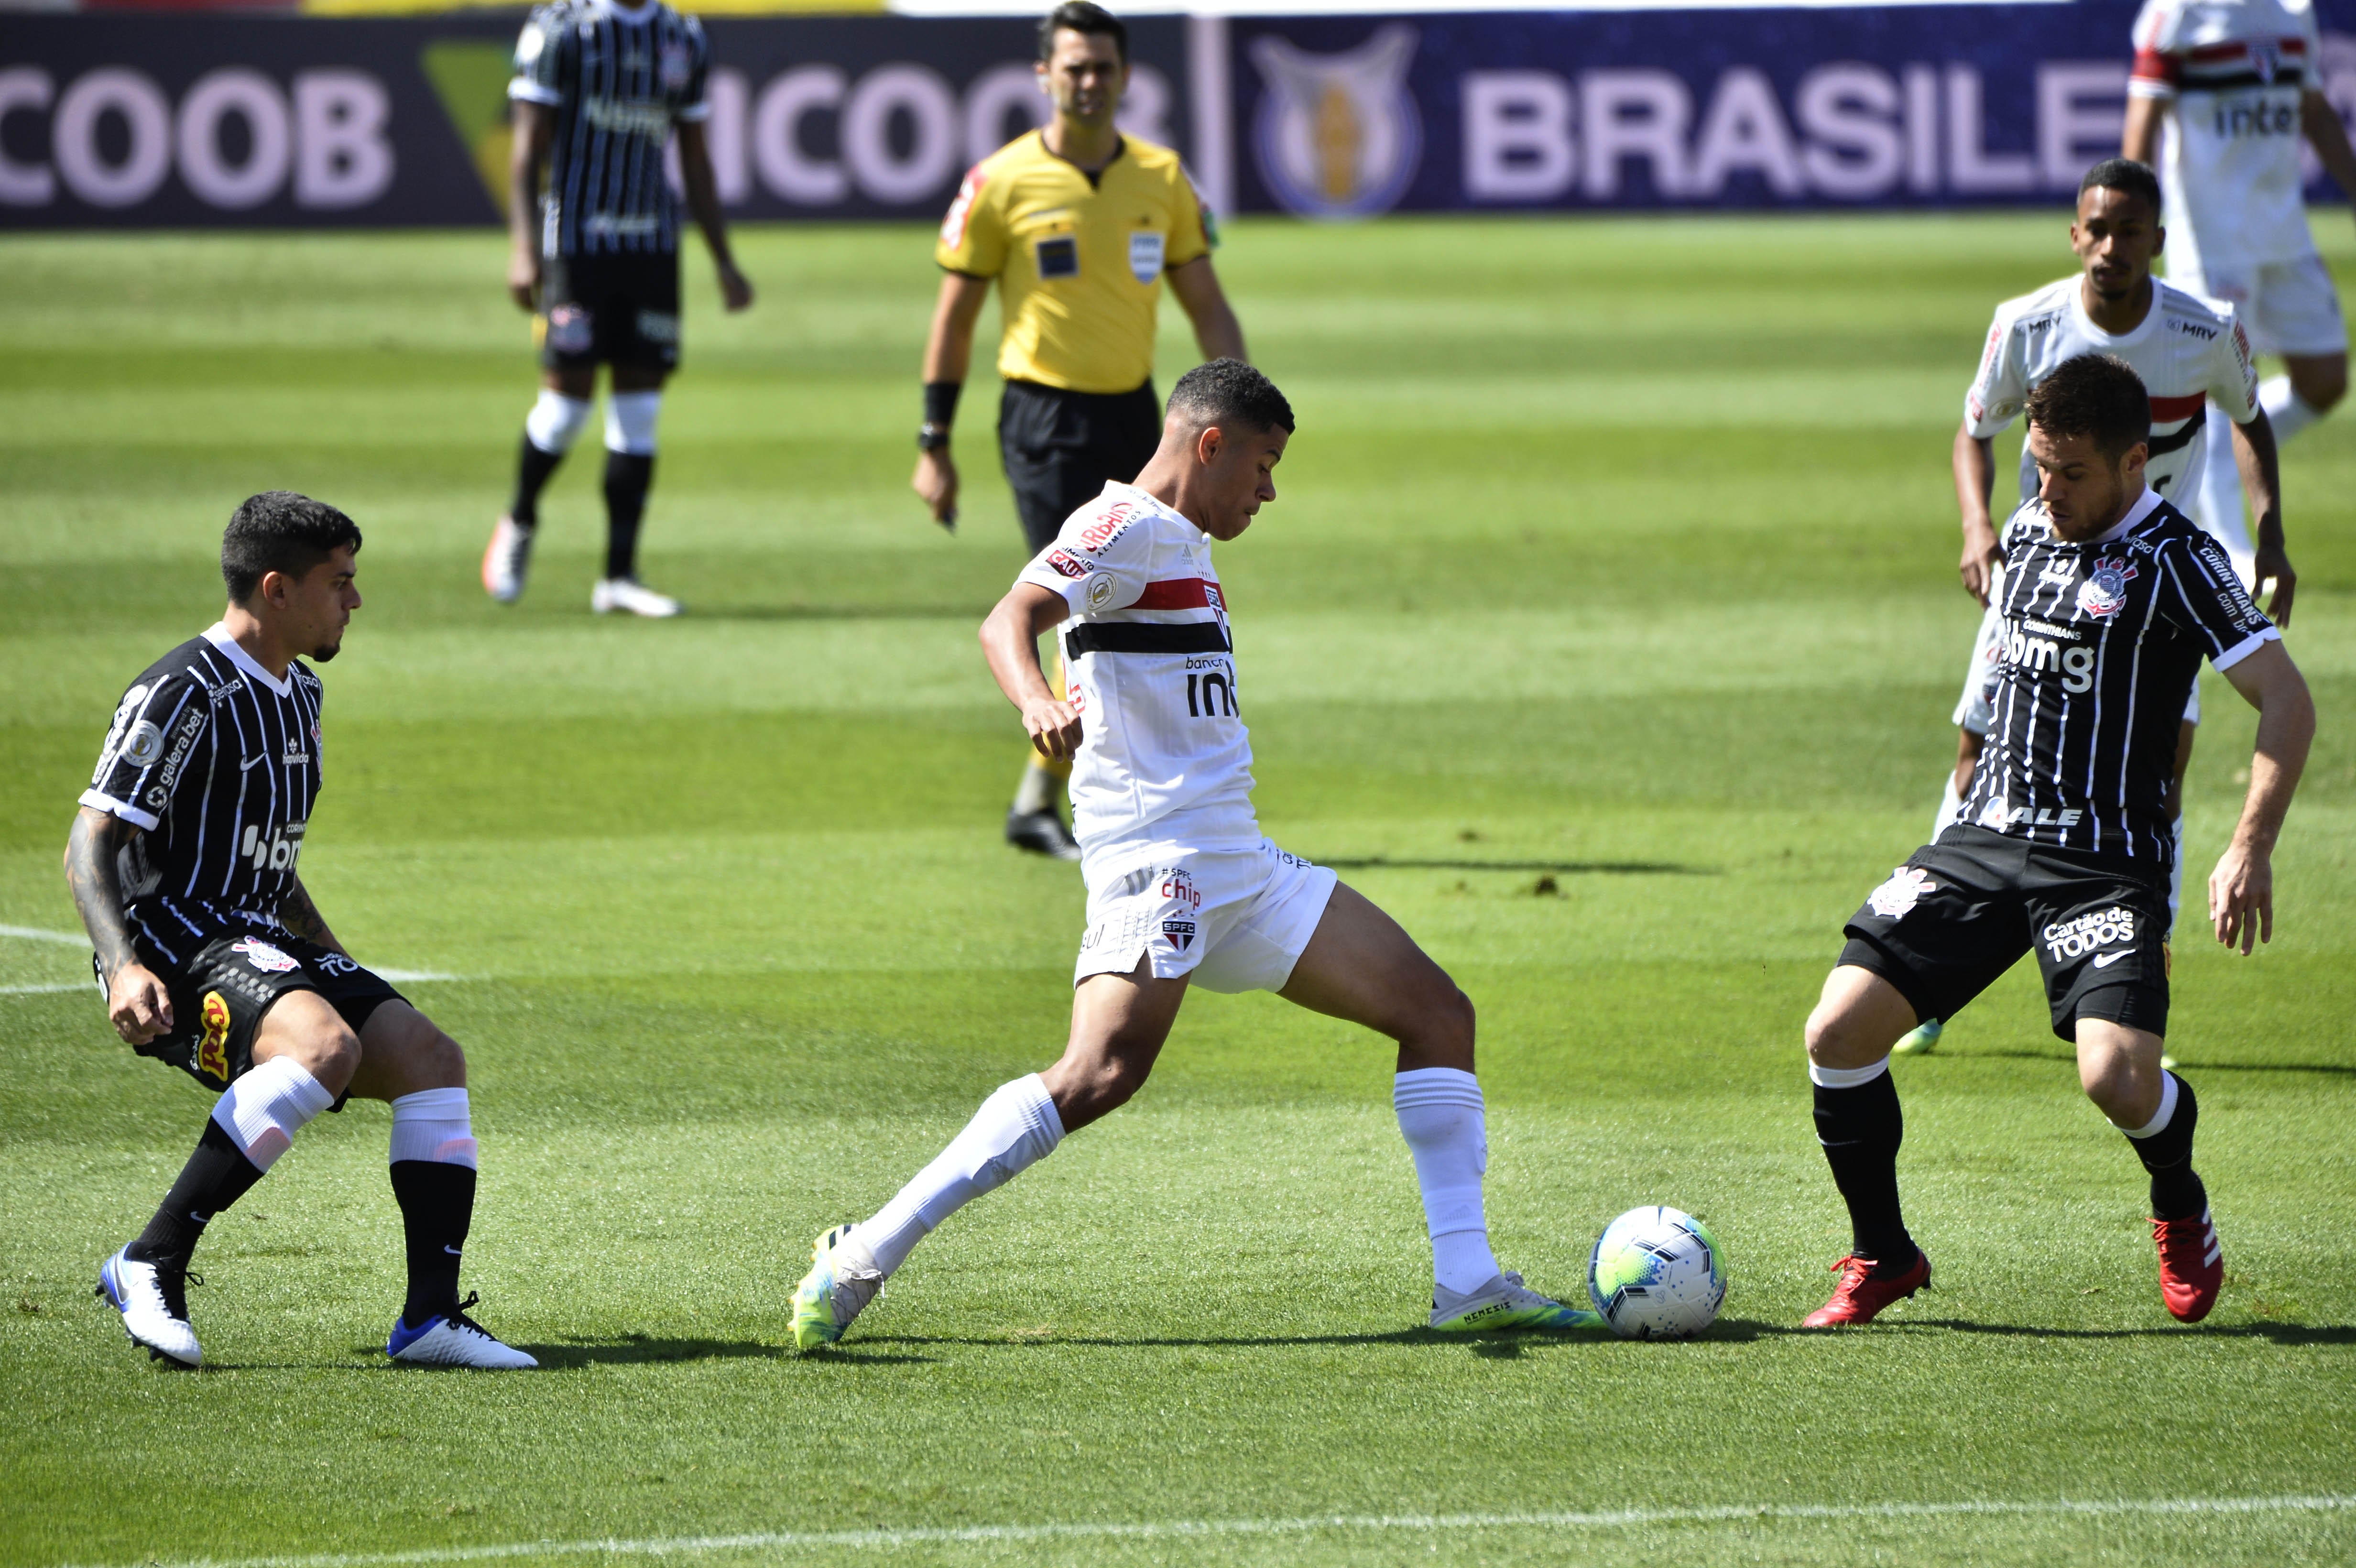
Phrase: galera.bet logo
{"type": "Point", "coordinates": [1338, 136]}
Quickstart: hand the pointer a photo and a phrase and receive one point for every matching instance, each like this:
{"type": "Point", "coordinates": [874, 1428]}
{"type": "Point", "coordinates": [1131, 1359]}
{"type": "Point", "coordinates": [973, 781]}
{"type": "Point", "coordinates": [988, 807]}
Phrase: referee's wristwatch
{"type": "Point", "coordinates": [931, 437]}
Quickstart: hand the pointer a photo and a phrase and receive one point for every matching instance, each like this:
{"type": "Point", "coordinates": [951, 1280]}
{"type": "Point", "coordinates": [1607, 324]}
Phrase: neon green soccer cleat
{"type": "Point", "coordinates": [1918, 1040]}
{"type": "Point", "coordinates": [1505, 1305]}
{"type": "Point", "coordinates": [842, 1280]}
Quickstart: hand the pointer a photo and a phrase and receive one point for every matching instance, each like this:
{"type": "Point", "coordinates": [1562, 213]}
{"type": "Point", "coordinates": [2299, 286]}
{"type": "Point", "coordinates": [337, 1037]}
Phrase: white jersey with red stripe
{"type": "Point", "coordinates": [1163, 757]}
{"type": "Point", "coordinates": [2229, 167]}
{"type": "Point", "coordinates": [2189, 350]}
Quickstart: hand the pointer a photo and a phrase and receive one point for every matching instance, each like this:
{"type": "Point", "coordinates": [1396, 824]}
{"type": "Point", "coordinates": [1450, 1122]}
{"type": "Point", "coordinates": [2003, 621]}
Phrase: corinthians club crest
{"type": "Point", "coordinates": [1337, 135]}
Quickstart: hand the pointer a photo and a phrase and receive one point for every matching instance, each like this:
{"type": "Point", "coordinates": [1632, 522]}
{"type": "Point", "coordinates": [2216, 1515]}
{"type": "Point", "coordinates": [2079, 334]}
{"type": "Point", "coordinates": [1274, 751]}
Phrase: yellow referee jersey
{"type": "Point", "coordinates": [1078, 258]}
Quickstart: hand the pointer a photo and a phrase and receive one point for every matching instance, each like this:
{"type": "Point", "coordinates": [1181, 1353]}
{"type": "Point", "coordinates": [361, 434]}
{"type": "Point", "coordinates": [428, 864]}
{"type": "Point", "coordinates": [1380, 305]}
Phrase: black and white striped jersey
{"type": "Point", "coordinates": [618, 78]}
{"type": "Point", "coordinates": [2102, 641]}
{"type": "Point", "coordinates": [218, 761]}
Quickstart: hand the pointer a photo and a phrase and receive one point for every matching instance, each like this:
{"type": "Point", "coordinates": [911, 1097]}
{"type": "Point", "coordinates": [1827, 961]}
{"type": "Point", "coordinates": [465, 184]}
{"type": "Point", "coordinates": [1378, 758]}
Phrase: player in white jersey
{"type": "Point", "coordinates": [2191, 354]}
{"type": "Point", "coordinates": [2221, 95]}
{"type": "Point", "coordinates": [1182, 886]}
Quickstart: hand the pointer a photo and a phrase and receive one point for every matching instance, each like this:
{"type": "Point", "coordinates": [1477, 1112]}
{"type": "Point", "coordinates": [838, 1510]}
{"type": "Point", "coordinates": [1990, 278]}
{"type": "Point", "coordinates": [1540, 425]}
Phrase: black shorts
{"type": "Point", "coordinates": [1061, 447]}
{"type": "Point", "coordinates": [1961, 912]}
{"type": "Point", "coordinates": [620, 308]}
{"type": "Point", "coordinates": [231, 979]}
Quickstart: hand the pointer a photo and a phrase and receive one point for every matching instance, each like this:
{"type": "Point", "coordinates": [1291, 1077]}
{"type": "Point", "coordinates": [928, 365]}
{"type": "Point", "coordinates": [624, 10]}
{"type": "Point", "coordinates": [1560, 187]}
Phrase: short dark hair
{"type": "Point", "coordinates": [1082, 16]}
{"type": "Point", "coordinates": [1229, 389]}
{"type": "Point", "coordinates": [2096, 395]}
{"type": "Point", "coordinates": [2125, 175]}
{"type": "Point", "coordinates": [279, 530]}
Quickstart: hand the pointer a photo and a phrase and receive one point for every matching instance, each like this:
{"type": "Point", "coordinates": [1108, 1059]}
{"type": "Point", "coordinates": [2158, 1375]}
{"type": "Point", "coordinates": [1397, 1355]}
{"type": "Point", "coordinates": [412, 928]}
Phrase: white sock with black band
{"type": "Point", "coordinates": [263, 1110]}
{"type": "Point", "coordinates": [1445, 1122]}
{"type": "Point", "coordinates": [1015, 1128]}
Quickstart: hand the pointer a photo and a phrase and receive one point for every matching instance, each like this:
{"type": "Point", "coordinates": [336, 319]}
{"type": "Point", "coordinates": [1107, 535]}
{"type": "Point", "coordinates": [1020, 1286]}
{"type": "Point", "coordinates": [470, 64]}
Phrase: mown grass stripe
{"type": "Point", "coordinates": [980, 1535]}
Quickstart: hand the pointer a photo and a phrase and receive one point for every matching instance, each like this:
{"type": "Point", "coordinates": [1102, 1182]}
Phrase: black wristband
{"type": "Point", "coordinates": [941, 402]}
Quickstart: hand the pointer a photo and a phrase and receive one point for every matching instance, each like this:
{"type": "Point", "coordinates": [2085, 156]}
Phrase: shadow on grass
{"type": "Point", "coordinates": [2292, 1334]}
{"type": "Point", "coordinates": [1498, 1345]}
{"type": "Point", "coordinates": [639, 1350]}
{"type": "Point", "coordinates": [1553, 867]}
{"type": "Point", "coordinates": [2342, 1068]}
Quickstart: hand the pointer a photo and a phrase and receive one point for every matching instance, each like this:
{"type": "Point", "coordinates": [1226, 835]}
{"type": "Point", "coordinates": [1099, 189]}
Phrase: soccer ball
{"type": "Point", "coordinates": [1657, 1273]}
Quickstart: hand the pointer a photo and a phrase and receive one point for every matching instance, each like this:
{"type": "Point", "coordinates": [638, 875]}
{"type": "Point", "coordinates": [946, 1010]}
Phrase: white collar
{"type": "Point", "coordinates": [2135, 334]}
{"type": "Point", "coordinates": [626, 13]}
{"type": "Point", "coordinates": [2145, 505]}
{"type": "Point", "coordinates": [218, 635]}
{"type": "Point", "coordinates": [1149, 498]}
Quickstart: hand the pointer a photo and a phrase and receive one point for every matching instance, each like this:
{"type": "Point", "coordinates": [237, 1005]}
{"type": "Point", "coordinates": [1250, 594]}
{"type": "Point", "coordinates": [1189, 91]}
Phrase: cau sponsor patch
{"type": "Point", "coordinates": [1901, 893]}
{"type": "Point", "coordinates": [263, 956]}
{"type": "Point", "coordinates": [212, 1051]}
{"type": "Point", "coordinates": [1067, 565]}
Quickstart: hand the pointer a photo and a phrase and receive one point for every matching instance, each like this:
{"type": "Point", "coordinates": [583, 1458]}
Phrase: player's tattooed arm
{"type": "Point", "coordinates": [137, 1001]}
{"type": "Point", "coordinates": [298, 914]}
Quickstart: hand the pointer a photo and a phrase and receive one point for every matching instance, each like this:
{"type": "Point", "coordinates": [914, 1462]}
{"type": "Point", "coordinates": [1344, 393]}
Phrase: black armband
{"type": "Point", "coordinates": [941, 402]}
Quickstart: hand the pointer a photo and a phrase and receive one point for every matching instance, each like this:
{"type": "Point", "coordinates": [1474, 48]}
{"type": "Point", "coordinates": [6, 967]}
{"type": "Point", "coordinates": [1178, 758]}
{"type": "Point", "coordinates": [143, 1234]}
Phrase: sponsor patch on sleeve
{"type": "Point", "coordinates": [1069, 565]}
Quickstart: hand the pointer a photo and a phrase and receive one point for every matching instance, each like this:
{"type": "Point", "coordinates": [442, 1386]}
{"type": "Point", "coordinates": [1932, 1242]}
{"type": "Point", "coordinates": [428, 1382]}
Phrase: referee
{"type": "Point", "coordinates": [1078, 226]}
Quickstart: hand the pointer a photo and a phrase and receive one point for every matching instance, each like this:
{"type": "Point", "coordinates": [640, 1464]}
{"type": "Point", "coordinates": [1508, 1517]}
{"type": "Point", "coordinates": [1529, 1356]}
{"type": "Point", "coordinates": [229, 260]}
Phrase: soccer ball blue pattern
{"type": "Point", "coordinates": [1657, 1273]}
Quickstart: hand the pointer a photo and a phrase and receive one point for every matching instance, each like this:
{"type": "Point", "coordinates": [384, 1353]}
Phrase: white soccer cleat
{"type": "Point", "coordinates": [155, 1308]}
{"type": "Point", "coordinates": [1505, 1304]}
{"type": "Point", "coordinates": [506, 560]}
{"type": "Point", "coordinates": [628, 594]}
{"type": "Point", "coordinates": [453, 1340]}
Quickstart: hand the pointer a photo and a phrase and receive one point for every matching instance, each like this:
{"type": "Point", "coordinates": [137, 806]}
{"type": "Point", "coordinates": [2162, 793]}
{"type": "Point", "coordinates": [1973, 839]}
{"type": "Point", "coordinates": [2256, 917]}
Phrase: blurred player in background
{"type": "Point", "coordinates": [2222, 92]}
{"type": "Point", "coordinates": [1078, 226]}
{"type": "Point", "coordinates": [2189, 352]}
{"type": "Point", "coordinates": [599, 89]}
{"type": "Point", "coordinates": [213, 958]}
{"type": "Point", "coordinates": [2111, 598]}
{"type": "Point", "coordinates": [1183, 885]}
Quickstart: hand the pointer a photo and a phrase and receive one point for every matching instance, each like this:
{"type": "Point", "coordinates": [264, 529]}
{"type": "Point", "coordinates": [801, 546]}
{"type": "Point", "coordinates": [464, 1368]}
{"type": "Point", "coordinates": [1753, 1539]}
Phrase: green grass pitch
{"type": "Point", "coordinates": [1604, 631]}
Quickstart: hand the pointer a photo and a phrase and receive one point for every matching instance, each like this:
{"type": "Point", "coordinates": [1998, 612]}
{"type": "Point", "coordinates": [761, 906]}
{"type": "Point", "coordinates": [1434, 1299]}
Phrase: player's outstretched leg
{"type": "Point", "coordinates": [1860, 1125]}
{"type": "Point", "coordinates": [2157, 1112]}
{"type": "Point", "coordinates": [432, 1165]}
{"type": "Point", "coordinates": [1118, 1023]}
{"type": "Point", "coordinates": [1363, 966]}
{"type": "Point", "coordinates": [554, 423]}
{"type": "Point", "coordinates": [630, 419]}
{"type": "Point", "coordinates": [252, 1125]}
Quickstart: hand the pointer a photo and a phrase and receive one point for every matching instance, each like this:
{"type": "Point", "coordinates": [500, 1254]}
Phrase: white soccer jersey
{"type": "Point", "coordinates": [1163, 757]}
{"type": "Point", "coordinates": [2189, 350]}
{"type": "Point", "coordinates": [2236, 70]}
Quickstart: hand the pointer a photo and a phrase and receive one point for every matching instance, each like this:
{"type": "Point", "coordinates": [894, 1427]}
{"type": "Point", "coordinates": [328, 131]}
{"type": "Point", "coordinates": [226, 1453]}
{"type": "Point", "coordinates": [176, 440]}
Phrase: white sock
{"type": "Point", "coordinates": [1847, 1077]}
{"type": "Point", "coordinates": [1037, 791]}
{"type": "Point", "coordinates": [630, 422]}
{"type": "Point", "coordinates": [1442, 1116]}
{"type": "Point", "coordinates": [2166, 1113]}
{"type": "Point", "coordinates": [264, 1109]}
{"type": "Point", "coordinates": [1950, 806]}
{"type": "Point", "coordinates": [1016, 1127]}
{"type": "Point", "coordinates": [2286, 411]}
{"type": "Point", "coordinates": [556, 421]}
{"type": "Point", "coordinates": [433, 1125]}
{"type": "Point", "coordinates": [2218, 506]}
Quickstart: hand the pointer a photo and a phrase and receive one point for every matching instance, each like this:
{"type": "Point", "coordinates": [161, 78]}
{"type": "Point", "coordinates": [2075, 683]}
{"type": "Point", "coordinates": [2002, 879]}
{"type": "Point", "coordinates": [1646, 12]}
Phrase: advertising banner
{"type": "Point", "coordinates": [178, 120]}
{"type": "Point", "coordinates": [1867, 106]}
{"type": "Point", "coordinates": [147, 122]}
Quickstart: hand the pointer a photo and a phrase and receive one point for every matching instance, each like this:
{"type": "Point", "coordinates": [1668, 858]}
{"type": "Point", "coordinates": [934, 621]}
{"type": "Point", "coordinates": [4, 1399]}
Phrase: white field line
{"type": "Point", "coordinates": [71, 939]}
{"type": "Point", "coordinates": [1170, 1530]}
{"type": "Point", "coordinates": [44, 990]}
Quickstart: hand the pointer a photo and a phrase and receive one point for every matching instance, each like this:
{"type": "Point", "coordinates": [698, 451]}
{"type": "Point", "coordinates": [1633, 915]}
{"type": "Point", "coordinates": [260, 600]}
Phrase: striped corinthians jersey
{"type": "Point", "coordinates": [618, 79]}
{"type": "Point", "coordinates": [218, 761]}
{"type": "Point", "coordinates": [1163, 757]}
{"type": "Point", "coordinates": [2229, 162]}
{"type": "Point", "coordinates": [2103, 641]}
{"type": "Point", "coordinates": [2188, 350]}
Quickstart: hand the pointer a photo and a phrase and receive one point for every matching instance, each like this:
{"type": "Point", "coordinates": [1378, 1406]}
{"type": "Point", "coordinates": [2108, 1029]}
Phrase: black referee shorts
{"type": "Point", "coordinates": [1060, 447]}
{"type": "Point", "coordinates": [231, 979]}
{"type": "Point", "coordinates": [611, 308]}
{"type": "Point", "coordinates": [1961, 912]}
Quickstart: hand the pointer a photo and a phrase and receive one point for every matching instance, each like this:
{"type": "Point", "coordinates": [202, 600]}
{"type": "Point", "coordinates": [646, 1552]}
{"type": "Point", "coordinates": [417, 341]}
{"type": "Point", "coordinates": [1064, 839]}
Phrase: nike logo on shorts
{"type": "Point", "coordinates": [2104, 961]}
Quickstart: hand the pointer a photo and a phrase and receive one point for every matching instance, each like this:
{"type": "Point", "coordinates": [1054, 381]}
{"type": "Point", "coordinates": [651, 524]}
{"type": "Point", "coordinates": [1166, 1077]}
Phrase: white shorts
{"type": "Point", "coordinates": [1235, 920]}
{"type": "Point", "coordinates": [1973, 710]}
{"type": "Point", "coordinates": [2287, 307]}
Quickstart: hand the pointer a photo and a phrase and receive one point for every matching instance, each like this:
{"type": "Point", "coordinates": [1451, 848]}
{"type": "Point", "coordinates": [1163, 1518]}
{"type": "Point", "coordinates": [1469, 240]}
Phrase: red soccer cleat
{"type": "Point", "coordinates": [2191, 1265]}
{"type": "Point", "coordinates": [1859, 1297]}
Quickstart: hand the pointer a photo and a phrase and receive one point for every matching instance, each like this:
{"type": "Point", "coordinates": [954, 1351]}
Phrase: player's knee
{"type": "Point", "coordinates": [440, 1063]}
{"type": "Point", "coordinates": [1449, 1022]}
{"type": "Point", "coordinates": [1831, 1035]}
{"type": "Point", "coordinates": [332, 1056]}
